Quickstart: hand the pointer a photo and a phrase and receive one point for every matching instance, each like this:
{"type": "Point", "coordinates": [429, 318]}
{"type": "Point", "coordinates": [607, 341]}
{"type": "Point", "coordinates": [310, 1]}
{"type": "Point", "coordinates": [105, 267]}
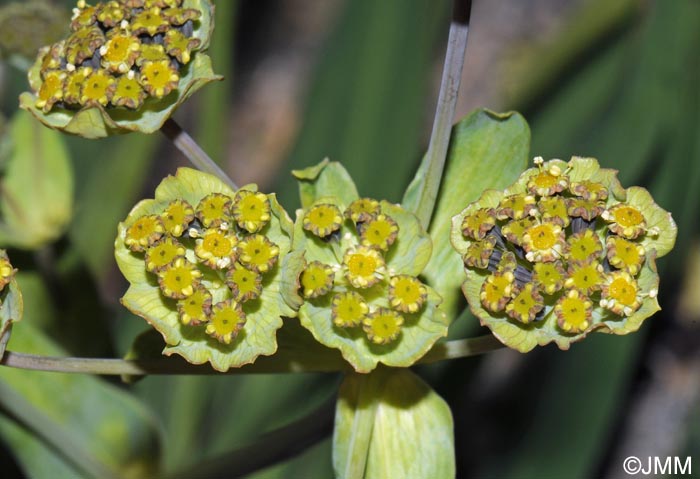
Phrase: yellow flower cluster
{"type": "Point", "coordinates": [7, 272]}
{"type": "Point", "coordinates": [119, 53]}
{"type": "Point", "coordinates": [558, 245]}
{"type": "Point", "coordinates": [358, 278]}
{"type": "Point", "coordinates": [222, 240]}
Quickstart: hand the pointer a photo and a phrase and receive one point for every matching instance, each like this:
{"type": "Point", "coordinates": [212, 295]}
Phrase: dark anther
{"type": "Point", "coordinates": [187, 29]}
{"type": "Point", "coordinates": [494, 260]}
{"type": "Point", "coordinates": [522, 275]}
{"type": "Point", "coordinates": [580, 224]}
{"type": "Point", "coordinates": [500, 239]}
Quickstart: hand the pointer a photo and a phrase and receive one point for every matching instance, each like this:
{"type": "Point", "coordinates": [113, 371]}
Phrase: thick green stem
{"type": "Point", "coordinates": [434, 160]}
{"type": "Point", "coordinates": [197, 156]}
{"type": "Point", "coordinates": [460, 348]}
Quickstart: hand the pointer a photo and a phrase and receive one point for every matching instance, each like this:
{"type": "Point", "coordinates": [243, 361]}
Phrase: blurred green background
{"type": "Point", "coordinates": [357, 81]}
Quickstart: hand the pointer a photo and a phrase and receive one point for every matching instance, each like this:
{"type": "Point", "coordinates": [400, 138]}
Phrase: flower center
{"type": "Point", "coordinates": [623, 291]}
{"type": "Point", "coordinates": [628, 216]}
{"type": "Point", "coordinates": [543, 237]}
{"type": "Point", "coordinates": [574, 312]}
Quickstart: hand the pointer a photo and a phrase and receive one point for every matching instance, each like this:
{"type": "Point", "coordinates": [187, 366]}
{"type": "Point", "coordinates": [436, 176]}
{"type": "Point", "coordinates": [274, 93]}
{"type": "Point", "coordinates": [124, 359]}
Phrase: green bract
{"type": "Point", "coordinates": [357, 261]}
{"type": "Point", "coordinates": [203, 266]}
{"type": "Point", "coordinates": [122, 69]}
{"type": "Point", "coordinates": [562, 252]}
{"type": "Point", "coordinates": [11, 305]}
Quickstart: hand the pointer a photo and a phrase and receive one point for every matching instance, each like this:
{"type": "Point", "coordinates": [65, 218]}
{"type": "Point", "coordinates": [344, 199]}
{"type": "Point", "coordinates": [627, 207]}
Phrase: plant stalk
{"type": "Point", "coordinates": [197, 156]}
{"type": "Point", "coordinates": [460, 348]}
{"type": "Point", "coordinates": [434, 160]}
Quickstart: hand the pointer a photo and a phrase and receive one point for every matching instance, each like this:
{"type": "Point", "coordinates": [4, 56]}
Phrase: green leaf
{"type": "Point", "coordinates": [97, 122]}
{"type": "Point", "coordinates": [36, 189]}
{"type": "Point", "coordinates": [144, 298]}
{"type": "Point", "coordinates": [487, 150]}
{"type": "Point", "coordinates": [325, 179]}
{"type": "Point", "coordinates": [391, 424]}
{"type": "Point", "coordinates": [86, 422]}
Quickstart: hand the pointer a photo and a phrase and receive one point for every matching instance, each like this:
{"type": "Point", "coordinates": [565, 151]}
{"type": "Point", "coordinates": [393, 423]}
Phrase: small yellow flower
{"type": "Point", "coordinates": [624, 254]}
{"type": "Point", "coordinates": [213, 210]}
{"type": "Point", "coordinates": [151, 52]}
{"type": "Point", "coordinates": [84, 16]}
{"type": "Point", "coordinates": [382, 326]}
{"type": "Point", "coordinates": [177, 217]}
{"type": "Point", "coordinates": [51, 59]}
{"type": "Point", "coordinates": [216, 248]}
{"type": "Point", "coordinates": [226, 320]}
{"type": "Point", "coordinates": [179, 279]}
{"type": "Point", "coordinates": [251, 210]}
{"type": "Point", "coordinates": [589, 190]}
{"type": "Point", "coordinates": [83, 43]}
{"type": "Point", "coordinates": [317, 279]}
{"type": "Point", "coordinates": [73, 90]}
{"type": "Point", "coordinates": [407, 294]}
{"type": "Point", "coordinates": [549, 277]}
{"type": "Point", "coordinates": [120, 52]}
{"type": "Point", "coordinates": [497, 291]}
{"type": "Point", "coordinates": [323, 219]}
{"type": "Point", "coordinates": [258, 253]}
{"type": "Point", "coordinates": [180, 46]}
{"type": "Point", "coordinates": [110, 14]}
{"type": "Point", "coordinates": [128, 92]}
{"type": "Point", "coordinates": [51, 90]}
{"type": "Point", "coordinates": [516, 207]}
{"type": "Point", "coordinates": [7, 272]}
{"type": "Point", "coordinates": [525, 305]}
{"type": "Point", "coordinates": [620, 294]}
{"type": "Point", "coordinates": [245, 284]}
{"type": "Point", "coordinates": [149, 21]}
{"type": "Point", "coordinates": [348, 309]}
{"type": "Point", "coordinates": [362, 210]}
{"type": "Point", "coordinates": [548, 182]}
{"type": "Point", "coordinates": [514, 231]}
{"type": "Point", "coordinates": [479, 223]}
{"type": "Point", "coordinates": [625, 220]}
{"type": "Point", "coordinates": [480, 252]}
{"type": "Point", "coordinates": [195, 309]}
{"type": "Point", "coordinates": [544, 242]}
{"type": "Point", "coordinates": [364, 266]}
{"type": "Point", "coordinates": [582, 208]}
{"type": "Point", "coordinates": [158, 78]}
{"type": "Point", "coordinates": [379, 232]}
{"type": "Point", "coordinates": [180, 16]}
{"type": "Point", "coordinates": [98, 88]}
{"type": "Point", "coordinates": [144, 233]}
{"type": "Point", "coordinates": [583, 246]}
{"type": "Point", "coordinates": [162, 253]}
{"type": "Point", "coordinates": [553, 209]}
{"type": "Point", "coordinates": [585, 277]}
{"type": "Point", "coordinates": [573, 312]}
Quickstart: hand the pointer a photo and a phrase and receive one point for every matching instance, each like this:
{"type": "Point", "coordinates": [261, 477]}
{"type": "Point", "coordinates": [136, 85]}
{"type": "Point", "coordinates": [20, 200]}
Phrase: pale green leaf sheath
{"type": "Point", "coordinates": [562, 252]}
{"type": "Point", "coordinates": [126, 66]}
{"type": "Point", "coordinates": [202, 261]}
{"type": "Point", "coordinates": [391, 424]}
{"type": "Point", "coordinates": [357, 262]}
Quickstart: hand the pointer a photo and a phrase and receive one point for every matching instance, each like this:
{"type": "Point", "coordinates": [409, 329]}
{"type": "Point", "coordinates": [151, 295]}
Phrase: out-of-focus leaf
{"type": "Point", "coordinates": [108, 192]}
{"type": "Point", "coordinates": [36, 194]}
{"type": "Point", "coordinates": [391, 424]}
{"type": "Point", "coordinates": [487, 150]}
{"type": "Point", "coordinates": [367, 103]}
{"type": "Point", "coordinates": [84, 414]}
{"type": "Point", "coordinates": [25, 26]}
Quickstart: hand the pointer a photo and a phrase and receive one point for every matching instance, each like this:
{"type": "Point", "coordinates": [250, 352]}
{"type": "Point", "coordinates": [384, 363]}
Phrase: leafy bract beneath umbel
{"type": "Point", "coordinates": [263, 314]}
{"type": "Point", "coordinates": [329, 184]}
{"type": "Point", "coordinates": [623, 294]}
{"type": "Point", "coordinates": [98, 121]}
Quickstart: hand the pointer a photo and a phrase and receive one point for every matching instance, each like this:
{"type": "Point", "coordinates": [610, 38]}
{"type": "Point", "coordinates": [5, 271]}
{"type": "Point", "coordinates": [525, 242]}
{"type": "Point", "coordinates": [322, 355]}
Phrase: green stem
{"type": "Point", "coordinates": [197, 156]}
{"type": "Point", "coordinates": [460, 348]}
{"type": "Point", "coordinates": [434, 160]}
{"type": "Point", "coordinates": [362, 425]}
{"type": "Point", "coordinates": [51, 433]}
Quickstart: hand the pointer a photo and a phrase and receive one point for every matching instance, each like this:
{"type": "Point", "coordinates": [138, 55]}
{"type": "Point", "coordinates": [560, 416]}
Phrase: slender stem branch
{"type": "Point", "coordinates": [461, 348]}
{"type": "Point", "coordinates": [197, 156]}
{"type": "Point", "coordinates": [434, 160]}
